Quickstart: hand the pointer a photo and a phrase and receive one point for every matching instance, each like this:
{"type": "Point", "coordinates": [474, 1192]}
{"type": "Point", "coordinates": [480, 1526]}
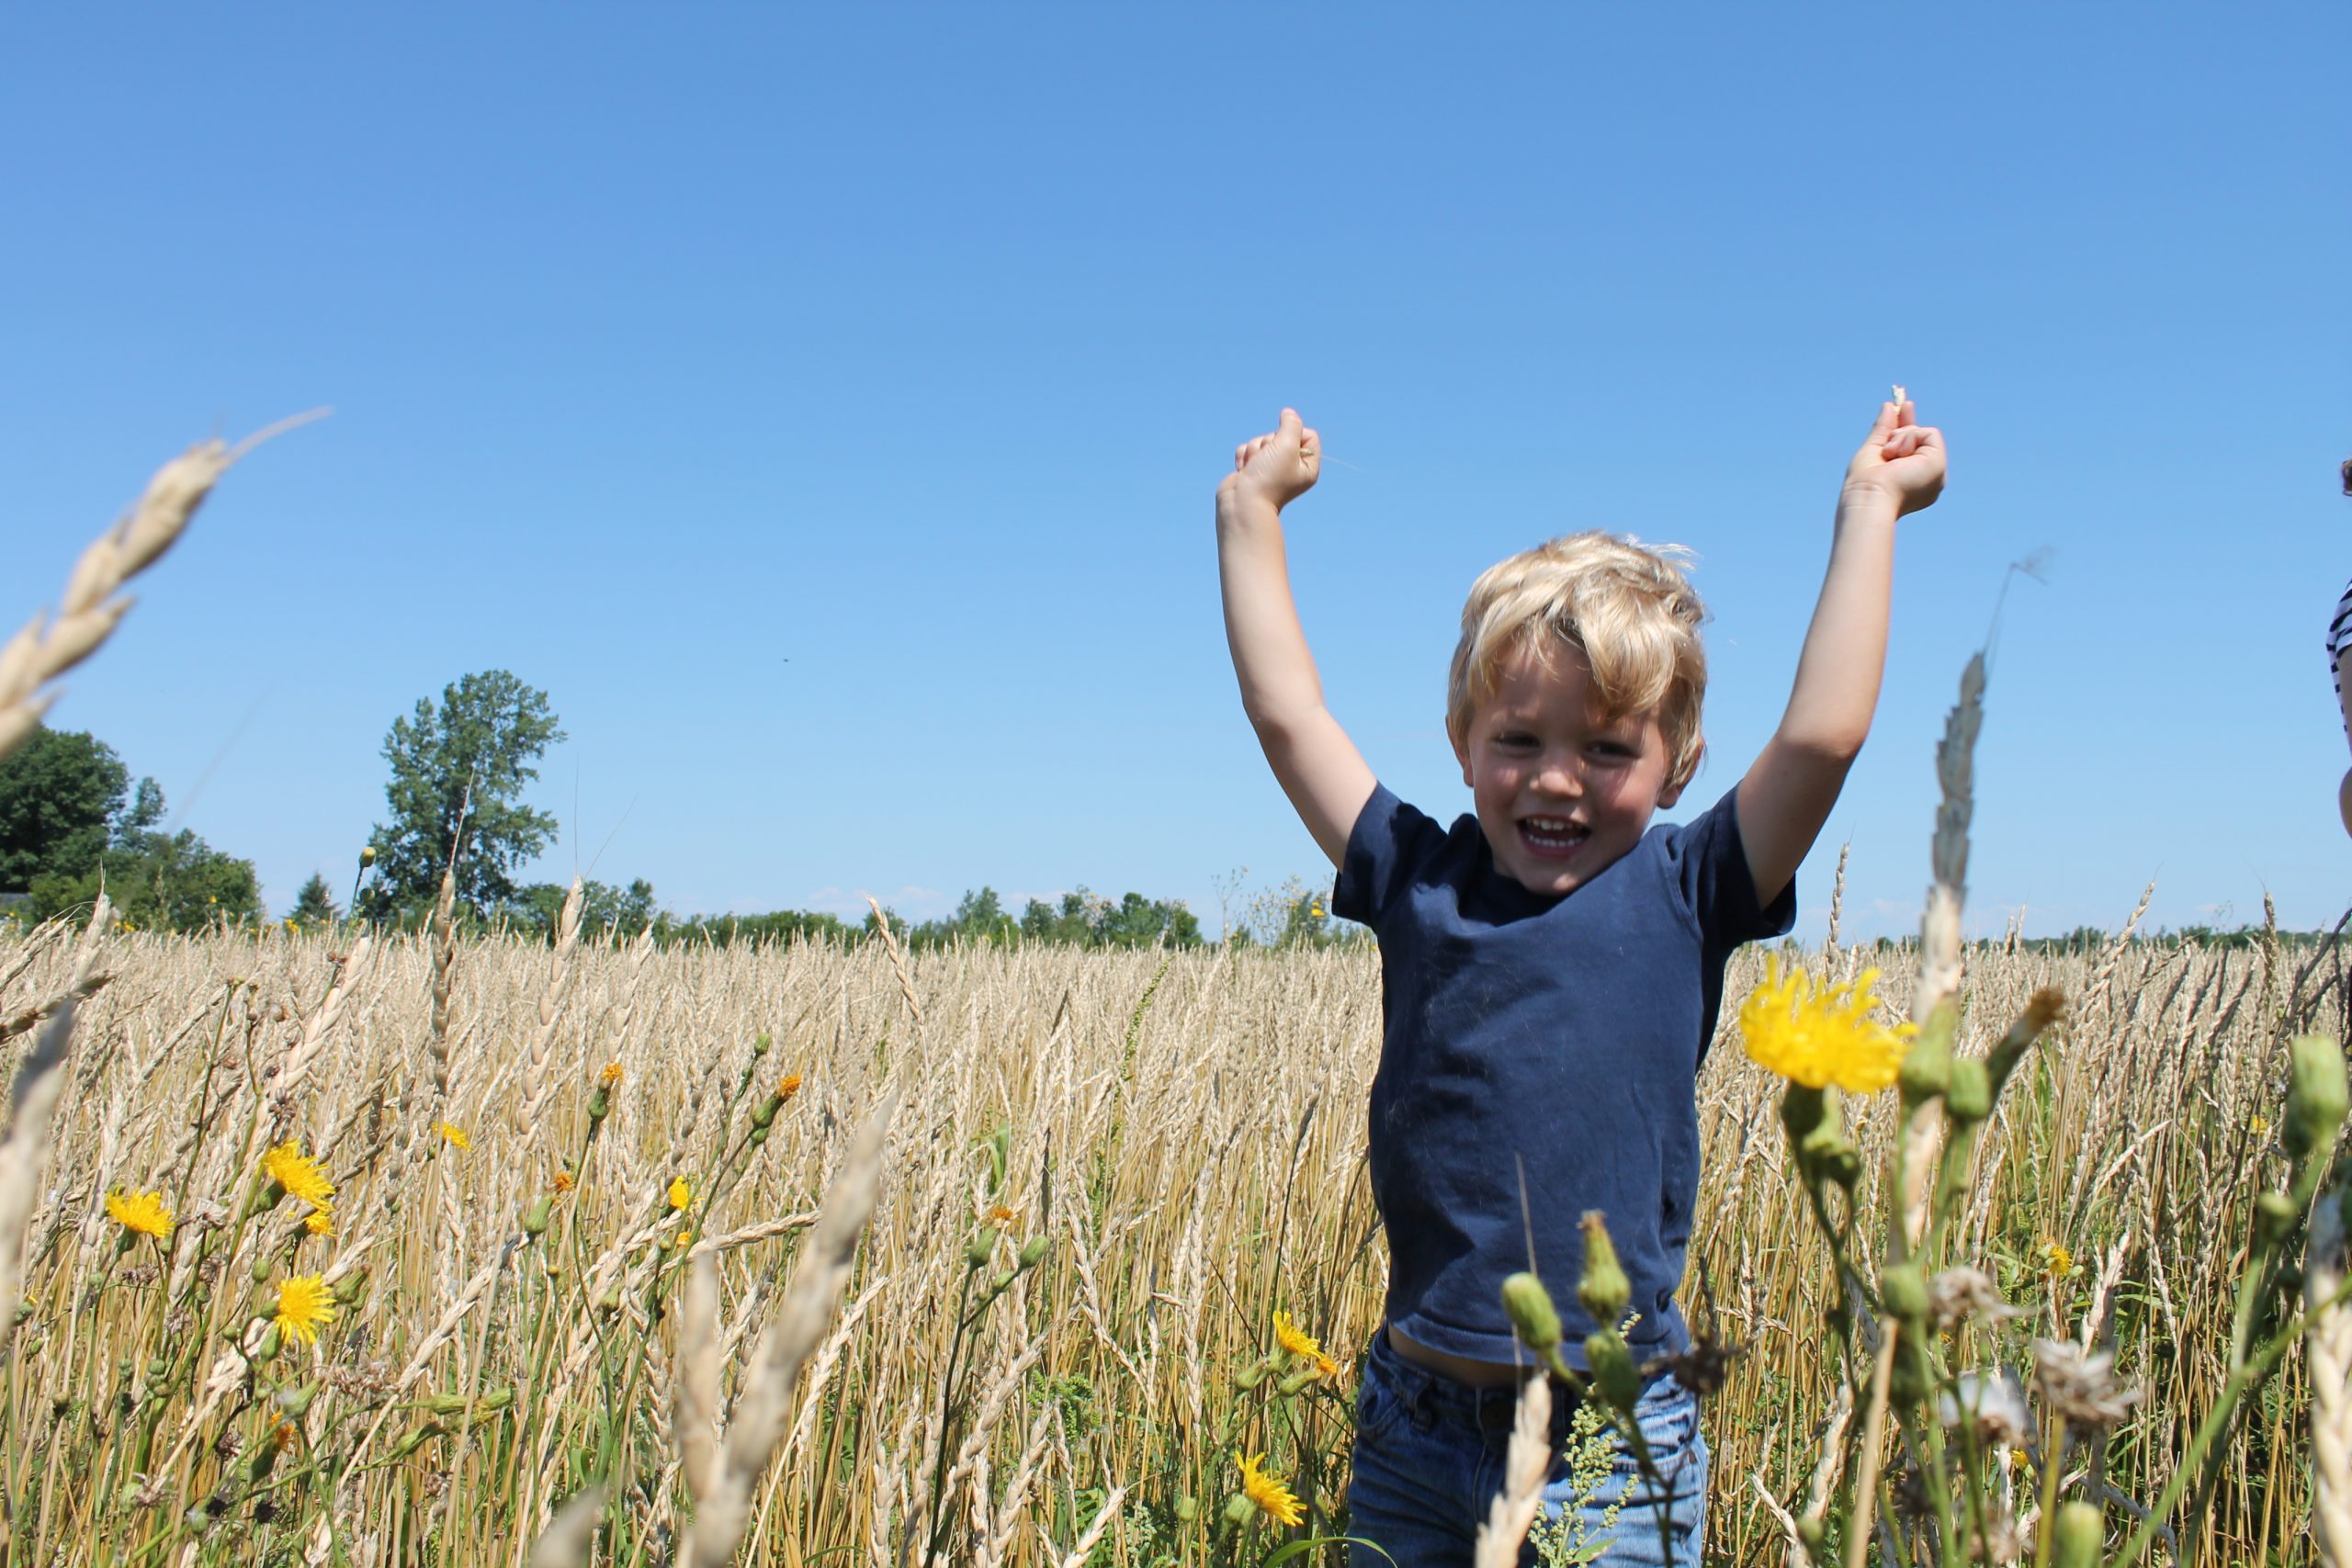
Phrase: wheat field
{"type": "Point", "coordinates": [1183, 1133]}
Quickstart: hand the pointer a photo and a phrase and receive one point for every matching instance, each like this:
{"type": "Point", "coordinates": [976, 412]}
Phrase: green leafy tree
{"type": "Point", "coordinates": [459, 770]}
{"type": "Point", "coordinates": [314, 903]}
{"type": "Point", "coordinates": [158, 881]}
{"type": "Point", "coordinates": [59, 794]}
{"type": "Point", "coordinates": [603, 907]}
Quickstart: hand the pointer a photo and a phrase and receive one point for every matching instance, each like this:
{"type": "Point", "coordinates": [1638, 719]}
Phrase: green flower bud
{"type": "Point", "coordinates": [1238, 1509]}
{"type": "Point", "coordinates": [1970, 1098]}
{"type": "Point", "coordinates": [759, 1137]}
{"type": "Point", "coordinates": [1802, 1109]}
{"type": "Point", "coordinates": [1297, 1381]}
{"type": "Point", "coordinates": [1032, 1252]}
{"type": "Point", "coordinates": [1603, 1290]}
{"type": "Point", "coordinates": [977, 1250]}
{"type": "Point", "coordinates": [417, 1439]}
{"type": "Point", "coordinates": [1926, 1068]}
{"type": "Point", "coordinates": [351, 1287]}
{"type": "Point", "coordinates": [1903, 1288]}
{"type": "Point", "coordinates": [1532, 1316]}
{"type": "Point", "coordinates": [263, 1267]}
{"type": "Point", "coordinates": [2274, 1218]}
{"type": "Point", "coordinates": [2080, 1535]}
{"type": "Point", "coordinates": [367, 857]}
{"type": "Point", "coordinates": [535, 1217]}
{"type": "Point", "coordinates": [761, 1043]}
{"type": "Point", "coordinates": [1251, 1376]}
{"type": "Point", "coordinates": [600, 1105]}
{"type": "Point", "coordinates": [764, 1112]}
{"type": "Point", "coordinates": [457, 1403]}
{"type": "Point", "coordinates": [296, 1402]}
{"type": "Point", "coordinates": [1815, 1534]}
{"type": "Point", "coordinates": [2316, 1093]}
{"type": "Point", "coordinates": [1188, 1507]}
{"type": "Point", "coordinates": [265, 1348]}
{"type": "Point", "coordinates": [1614, 1376]}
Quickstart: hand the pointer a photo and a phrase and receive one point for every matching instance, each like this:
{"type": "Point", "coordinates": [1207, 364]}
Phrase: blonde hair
{"type": "Point", "coordinates": [1625, 603]}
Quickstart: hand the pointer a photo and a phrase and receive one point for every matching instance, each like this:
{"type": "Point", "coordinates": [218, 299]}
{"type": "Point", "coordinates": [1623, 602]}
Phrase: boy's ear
{"type": "Point", "coordinates": [1673, 792]}
{"type": "Point", "coordinates": [1461, 755]}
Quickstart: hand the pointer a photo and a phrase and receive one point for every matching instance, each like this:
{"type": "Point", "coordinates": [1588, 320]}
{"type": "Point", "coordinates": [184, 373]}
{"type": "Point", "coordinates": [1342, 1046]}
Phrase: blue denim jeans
{"type": "Point", "coordinates": [1429, 1460]}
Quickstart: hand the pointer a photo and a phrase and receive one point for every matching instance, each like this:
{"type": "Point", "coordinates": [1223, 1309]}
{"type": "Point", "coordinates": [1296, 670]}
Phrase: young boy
{"type": "Point", "coordinates": [1551, 966]}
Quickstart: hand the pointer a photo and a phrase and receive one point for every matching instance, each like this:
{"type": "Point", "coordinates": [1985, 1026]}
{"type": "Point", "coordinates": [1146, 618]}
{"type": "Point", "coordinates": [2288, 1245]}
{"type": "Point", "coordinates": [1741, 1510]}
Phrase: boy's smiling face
{"type": "Point", "coordinates": [1562, 789]}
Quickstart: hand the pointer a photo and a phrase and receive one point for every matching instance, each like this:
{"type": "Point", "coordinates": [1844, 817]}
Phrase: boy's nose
{"type": "Point", "coordinates": [1560, 776]}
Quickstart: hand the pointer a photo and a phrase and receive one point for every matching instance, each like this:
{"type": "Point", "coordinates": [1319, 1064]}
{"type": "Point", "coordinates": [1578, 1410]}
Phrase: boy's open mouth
{"type": "Point", "coordinates": [1554, 838]}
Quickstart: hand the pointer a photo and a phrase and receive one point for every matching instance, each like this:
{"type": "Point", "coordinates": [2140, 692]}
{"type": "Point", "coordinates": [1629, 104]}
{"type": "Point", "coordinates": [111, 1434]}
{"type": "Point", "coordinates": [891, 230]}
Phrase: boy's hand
{"type": "Point", "coordinates": [1903, 460]}
{"type": "Point", "coordinates": [1277, 468]}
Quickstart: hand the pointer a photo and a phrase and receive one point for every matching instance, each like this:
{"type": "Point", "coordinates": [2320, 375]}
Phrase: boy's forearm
{"type": "Point", "coordinates": [1835, 692]}
{"type": "Point", "coordinates": [1279, 685]}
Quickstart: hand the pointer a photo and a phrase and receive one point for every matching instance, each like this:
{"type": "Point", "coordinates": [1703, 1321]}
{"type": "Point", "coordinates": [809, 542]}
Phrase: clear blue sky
{"type": "Point", "coordinates": [825, 409]}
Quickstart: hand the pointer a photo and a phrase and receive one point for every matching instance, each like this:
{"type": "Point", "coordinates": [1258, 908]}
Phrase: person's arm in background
{"type": "Point", "coordinates": [2344, 700]}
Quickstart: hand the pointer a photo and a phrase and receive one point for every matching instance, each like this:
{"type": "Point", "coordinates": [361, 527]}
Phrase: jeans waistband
{"type": "Point", "coordinates": [1435, 1399]}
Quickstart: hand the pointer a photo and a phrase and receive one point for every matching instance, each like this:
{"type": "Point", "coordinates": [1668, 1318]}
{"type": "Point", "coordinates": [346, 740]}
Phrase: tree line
{"type": "Point", "coordinates": [72, 822]}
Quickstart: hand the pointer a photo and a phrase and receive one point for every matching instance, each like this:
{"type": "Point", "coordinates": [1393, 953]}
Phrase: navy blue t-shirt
{"type": "Point", "coordinates": [1560, 1034]}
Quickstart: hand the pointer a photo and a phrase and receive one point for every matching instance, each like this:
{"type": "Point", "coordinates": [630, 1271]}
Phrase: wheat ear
{"type": "Point", "coordinates": [2327, 1339]}
{"type": "Point", "coordinates": [445, 988]}
{"type": "Point", "coordinates": [39, 1079]}
{"type": "Point", "coordinates": [47, 649]}
{"type": "Point", "coordinates": [564, 1543]}
{"type": "Point", "coordinates": [800, 1322]}
{"type": "Point", "coordinates": [539, 1082]}
{"type": "Point", "coordinates": [1940, 962]}
{"type": "Point", "coordinates": [1526, 1462]}
{"type": "Point", "coordinates": [697, 1396]}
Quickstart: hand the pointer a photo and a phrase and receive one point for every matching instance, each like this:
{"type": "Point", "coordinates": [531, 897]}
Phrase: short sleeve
{"type": "Point", "coordinates": [1388, 844]}
{"type": "Point", "coordinates": [1711, 862]}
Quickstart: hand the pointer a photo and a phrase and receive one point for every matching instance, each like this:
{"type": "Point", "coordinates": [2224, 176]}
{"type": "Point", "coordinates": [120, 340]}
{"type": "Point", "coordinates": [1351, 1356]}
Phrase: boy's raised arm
{"type": "Point", "coordinates": [1327, 779]}
{"type": "Point", "coordinates": [1786, 796]}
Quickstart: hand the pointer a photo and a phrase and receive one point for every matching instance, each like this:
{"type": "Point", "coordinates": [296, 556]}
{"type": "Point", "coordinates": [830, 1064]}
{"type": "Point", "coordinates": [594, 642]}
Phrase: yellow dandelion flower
{"type": "Point", "coordinates": [321, 1222]}
{"type": "Point", "coordinates": [1001, 1215]}
{"type": "Point", "coordinates": [297, 1174]}
{"type": "Point", "coordinates": [304, 1303]}
{"type": "Point", "coordinates": [454, 1135]}
{"type": "Point", "coordinates": [140, 1213]}
{"type": "Point", "coordinates": [1296, 1341]}
{"type": "Point", "coordinates": [682, 1192]}
{"type": "Point", "coordinates": [611, 1077]}
{"type": "Point", "coordinates": [2057, 1260]}
{"type": "Point", "coordinates": [789, 1087]}
{"type": "Point", "coordinates": [1823, 1036]}
{"type": "Point", "coordinates": [1326, 1368]}
{"type": "Point", "coordinates": [281, 1436]}
{"type": "Point", "coordinates": [564, 1182]}
{"type": "Point", "coordinates": [1273, 1499]}
{"type": "Point", "coordinates": [2260, 1123]}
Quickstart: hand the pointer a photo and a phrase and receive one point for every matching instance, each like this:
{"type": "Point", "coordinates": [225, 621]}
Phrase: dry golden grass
{"type": "Point", "coordinates": [1187, 1131]}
